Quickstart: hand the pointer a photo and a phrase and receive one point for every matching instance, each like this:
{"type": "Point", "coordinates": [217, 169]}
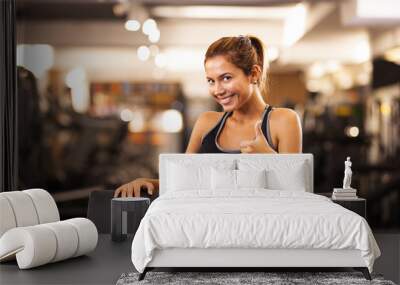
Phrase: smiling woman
{"type": "Point", "coordinates": [237, 79]}
{"type": "Point", "coordinates": [235, 73]}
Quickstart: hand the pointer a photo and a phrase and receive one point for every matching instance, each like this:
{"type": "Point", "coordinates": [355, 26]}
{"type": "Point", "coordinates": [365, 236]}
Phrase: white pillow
{"type": "Point", "coordinates": [236, 179]}
{"type": "Point", "coordinates": [279, 181]}
{"type": "Point", "coordinates": [223, 179]}
{"type": "Point", "coordinates": [186, 175]}
{"type": "Point", "coordinates": [293, 180]}
{"type": "Point", "coordinates": [251, 178]}
{"type": "Point", "coordinates": [183, 178]}
{"type": "Point", "coordinates": [282, 174]}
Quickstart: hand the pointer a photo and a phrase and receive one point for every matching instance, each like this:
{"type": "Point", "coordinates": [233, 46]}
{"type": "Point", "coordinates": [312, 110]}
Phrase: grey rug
{"type": "Point", "coordinates": [228, 278]}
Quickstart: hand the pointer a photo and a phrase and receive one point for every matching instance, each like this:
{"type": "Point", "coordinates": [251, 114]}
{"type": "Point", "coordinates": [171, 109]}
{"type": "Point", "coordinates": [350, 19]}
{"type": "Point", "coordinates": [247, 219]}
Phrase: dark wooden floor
{"type": "Point", "coordinates": [106, 264]}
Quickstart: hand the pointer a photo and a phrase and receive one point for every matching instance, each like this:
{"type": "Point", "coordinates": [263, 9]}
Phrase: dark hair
{"type": "Point", "coordinates": [243, 52]}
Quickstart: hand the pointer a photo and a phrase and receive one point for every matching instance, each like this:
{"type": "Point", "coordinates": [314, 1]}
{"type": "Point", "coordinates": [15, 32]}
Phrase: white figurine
{"type": "Point", "coordinates": [347, 174]}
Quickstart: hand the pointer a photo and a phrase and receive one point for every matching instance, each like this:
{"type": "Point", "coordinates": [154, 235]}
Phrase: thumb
{"type": "Point", "coordinates": [258, 129]}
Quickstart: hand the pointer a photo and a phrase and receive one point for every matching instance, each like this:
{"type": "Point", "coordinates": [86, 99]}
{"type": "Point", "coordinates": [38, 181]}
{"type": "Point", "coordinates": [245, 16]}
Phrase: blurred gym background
{"type": "Point", "coordinates": [105, 86]}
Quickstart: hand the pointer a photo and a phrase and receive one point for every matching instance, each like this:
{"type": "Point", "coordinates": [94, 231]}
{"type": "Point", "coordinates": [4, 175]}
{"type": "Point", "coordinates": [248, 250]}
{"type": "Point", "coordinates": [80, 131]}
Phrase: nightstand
{"type": "Point", "coordinates": [119, 215]}
{"type": "Point", "coordinates": [357, 205]}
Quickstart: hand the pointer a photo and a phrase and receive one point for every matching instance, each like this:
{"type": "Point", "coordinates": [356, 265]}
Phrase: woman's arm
{"type": "Point", "coordinates": [203, 124]}
{"type": "Point", "coordinates": [285, 123]}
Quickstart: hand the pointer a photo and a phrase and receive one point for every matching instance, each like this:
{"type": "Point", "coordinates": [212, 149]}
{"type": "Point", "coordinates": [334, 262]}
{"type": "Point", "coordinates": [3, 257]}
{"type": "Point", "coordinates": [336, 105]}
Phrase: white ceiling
{"type": "Point", "coordinates": [319, 36]}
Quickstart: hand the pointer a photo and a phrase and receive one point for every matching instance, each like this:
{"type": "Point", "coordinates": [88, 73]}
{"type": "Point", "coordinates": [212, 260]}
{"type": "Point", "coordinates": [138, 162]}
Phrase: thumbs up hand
{"type": "Point", "coordinates": [258, 145]}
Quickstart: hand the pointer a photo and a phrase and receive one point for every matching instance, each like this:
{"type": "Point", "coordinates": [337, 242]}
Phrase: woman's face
{"type": "Point", "coordinates": [227, 83]}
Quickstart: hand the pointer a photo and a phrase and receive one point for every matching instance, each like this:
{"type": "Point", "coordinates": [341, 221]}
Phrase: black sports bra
{"type": "Point", "coordinates": [209, 143]}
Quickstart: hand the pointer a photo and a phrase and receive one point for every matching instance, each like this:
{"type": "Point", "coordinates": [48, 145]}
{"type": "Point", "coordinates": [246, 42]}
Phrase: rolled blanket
{"type": "Point", "coordinates": [31, 231]}
{"type": "Point", "coordinates": [26, 208]}
{"type": "Point", "coordinates": [40, 244]}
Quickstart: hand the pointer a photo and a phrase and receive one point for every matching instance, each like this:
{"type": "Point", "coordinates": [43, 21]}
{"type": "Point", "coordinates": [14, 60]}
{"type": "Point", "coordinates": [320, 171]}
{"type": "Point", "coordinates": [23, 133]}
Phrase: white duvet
{"type": "Point", "coordinates": [253, 218]}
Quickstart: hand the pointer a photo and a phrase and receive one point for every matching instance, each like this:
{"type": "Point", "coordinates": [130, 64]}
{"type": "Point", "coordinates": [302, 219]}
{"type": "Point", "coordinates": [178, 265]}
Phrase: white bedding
{"type": "Point", "coordinates": [251, 218]}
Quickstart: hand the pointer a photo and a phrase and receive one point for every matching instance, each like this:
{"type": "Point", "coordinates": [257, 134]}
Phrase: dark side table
{"type": "Point", "coordinates": [119, 213]}
{"type": "Point", "coordinates": [357, 205]}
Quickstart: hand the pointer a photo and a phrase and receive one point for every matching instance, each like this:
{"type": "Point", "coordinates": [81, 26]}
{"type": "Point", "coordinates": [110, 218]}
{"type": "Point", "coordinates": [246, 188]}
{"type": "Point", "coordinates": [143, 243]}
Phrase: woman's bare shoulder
{"type": "Point", "coordinates": [284, 116]}
{"type": "Point", "coordinates": [205, 122]}
{"type": "Point", "coordinates": [209, 119]}
{"type": "Point", "coordinates": [286, 129]}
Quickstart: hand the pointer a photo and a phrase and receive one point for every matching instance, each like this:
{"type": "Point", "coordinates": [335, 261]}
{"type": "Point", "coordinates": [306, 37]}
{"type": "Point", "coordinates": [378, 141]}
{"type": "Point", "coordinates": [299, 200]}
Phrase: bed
{"type": "Point", "coordinates": [247, 210]}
